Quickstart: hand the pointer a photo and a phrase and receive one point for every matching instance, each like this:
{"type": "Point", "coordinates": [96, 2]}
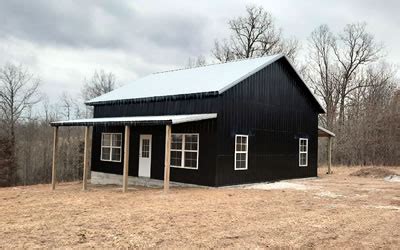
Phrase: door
{"type": "Point", "coordinates": [145, 156]}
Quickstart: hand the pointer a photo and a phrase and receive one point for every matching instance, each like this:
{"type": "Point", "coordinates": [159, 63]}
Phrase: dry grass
{"type": "Point", "coordinates": [375, 172]}
{"type": "Point", "coordinates": [336, 211]}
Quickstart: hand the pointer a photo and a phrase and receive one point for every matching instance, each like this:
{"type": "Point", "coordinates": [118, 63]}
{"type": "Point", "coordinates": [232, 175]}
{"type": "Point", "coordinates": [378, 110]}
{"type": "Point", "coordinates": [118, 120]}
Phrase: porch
{"type": "Point", "coordinates": [129, 124]}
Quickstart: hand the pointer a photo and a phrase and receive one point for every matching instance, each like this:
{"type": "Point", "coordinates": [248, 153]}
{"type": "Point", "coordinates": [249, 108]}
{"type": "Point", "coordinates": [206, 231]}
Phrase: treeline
{"type": "Point", "coordinates": [26, 138]}
{"type": "Point", "coordinates": [347, 70]}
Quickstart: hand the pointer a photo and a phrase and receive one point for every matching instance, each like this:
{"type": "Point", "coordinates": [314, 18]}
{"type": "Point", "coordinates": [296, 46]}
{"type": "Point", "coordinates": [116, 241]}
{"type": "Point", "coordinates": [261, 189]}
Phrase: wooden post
{"type": "Point", "coordinates": [167, 157]}
{"type": "Point", "coordinates": [329, 154]}
{"type": "Point", "coordinates": [55, 148]}
{"type": "Point", "coordinates": [126, 158]}
{"type": "Point", "coordinates": [85, 159]}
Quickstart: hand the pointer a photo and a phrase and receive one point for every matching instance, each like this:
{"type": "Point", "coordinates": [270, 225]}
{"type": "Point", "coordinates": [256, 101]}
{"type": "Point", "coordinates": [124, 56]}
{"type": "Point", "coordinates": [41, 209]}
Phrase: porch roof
{"type": "Point", "coordinates": [323, 132]}
{"type": "Point", "coordinates": [136, 120]}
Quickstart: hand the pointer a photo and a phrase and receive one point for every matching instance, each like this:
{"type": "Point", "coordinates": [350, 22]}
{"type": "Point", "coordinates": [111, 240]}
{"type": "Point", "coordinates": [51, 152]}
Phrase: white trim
{"type": "Point", "coordinates": [303, 152]}
{"type": "Point", "coordinates": [242, 152]}
{"type": "Point", "coordinates": [183, 150]}
{"type": "Point", "coordinates": [110, 147]}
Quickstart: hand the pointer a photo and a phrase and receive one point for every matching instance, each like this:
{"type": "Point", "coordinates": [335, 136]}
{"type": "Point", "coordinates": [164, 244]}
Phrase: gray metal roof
{"type": "Point", "coordinates": [323, 132]}
{"type": "Point", "coordinates": [136, 120]}
{"type": "Point", "coordinates": [209, 79]}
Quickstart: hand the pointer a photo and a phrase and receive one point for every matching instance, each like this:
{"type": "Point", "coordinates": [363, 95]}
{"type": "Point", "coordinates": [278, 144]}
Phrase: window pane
{"type": "Point", "coordinates": [191, 142]}
{"type": "Point", "coordinates": [241, 143]}
{"type": "Point", "coordinates": [303, 159]}
{"type": "Point", "coordinates": [191, 159]}
{"type": "Point", "coordinates": [116, 154]}
{"type": "Point", "coordinates": [106, 140]}
{"type": "Point", "coordinates": [241, 160]}
{"type": "Point", "coordinates": [145, 148]}
{"type": "Point", "coordinates": [105, 154]}
{"type": "Point", "coordinates": [117, 140]}
{"type": "Point", "coordinates": [241, 156]}
{"type": "Point", "coordinates": [176, 141]}
{"type": "Point", "coordinates": [176, 158]}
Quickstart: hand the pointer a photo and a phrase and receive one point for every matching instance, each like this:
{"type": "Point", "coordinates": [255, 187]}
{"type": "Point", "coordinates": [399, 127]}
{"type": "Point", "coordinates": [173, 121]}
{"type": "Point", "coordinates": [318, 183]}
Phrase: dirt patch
{"type": "Point", "coordinates": [393, 178]}
{"type": "Point", "coordinates": [277, 185]}
{"type": "Point", "coordinates": [329, 194]}
{"type": "Point", "coordinates": [374, 172]}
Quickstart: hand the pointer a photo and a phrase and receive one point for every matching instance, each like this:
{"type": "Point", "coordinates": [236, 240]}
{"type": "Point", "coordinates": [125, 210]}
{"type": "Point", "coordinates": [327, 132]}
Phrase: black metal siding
{"type": "Point", "coordinates": [204, 175]}
{"type": "Point", "coordinates": [273, 108]}
{"type": "Point", "coordinates": [168, 107]}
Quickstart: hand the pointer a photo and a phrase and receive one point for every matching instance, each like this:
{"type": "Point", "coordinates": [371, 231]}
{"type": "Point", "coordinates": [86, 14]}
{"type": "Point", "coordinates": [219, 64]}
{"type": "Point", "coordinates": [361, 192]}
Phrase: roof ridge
{"type": "Point", "coordinates": [212, 64]}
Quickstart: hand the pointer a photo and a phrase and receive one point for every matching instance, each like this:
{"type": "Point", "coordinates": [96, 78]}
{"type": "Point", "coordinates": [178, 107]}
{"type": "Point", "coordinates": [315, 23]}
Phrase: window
{"type": "Point", "coordinates": [111, 147]}
{"type": "Point", "coordinates": [145, 148]}
{"type": "Point", "coordinates": [241, 151]}
{"type": "Point", "coordinates": [185, 151]}
{"type": "Point", "coordinates": [303, 152]}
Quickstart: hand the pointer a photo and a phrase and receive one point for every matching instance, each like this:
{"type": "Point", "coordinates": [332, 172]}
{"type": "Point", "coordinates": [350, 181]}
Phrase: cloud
{"type": "Point", "coordinates": [100, 25]}
{"type": "Point", "coordinates": [64, 41]}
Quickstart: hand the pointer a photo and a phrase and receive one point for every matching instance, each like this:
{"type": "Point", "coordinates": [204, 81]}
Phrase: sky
{"type": "Point", "coordinates": [65, 41]}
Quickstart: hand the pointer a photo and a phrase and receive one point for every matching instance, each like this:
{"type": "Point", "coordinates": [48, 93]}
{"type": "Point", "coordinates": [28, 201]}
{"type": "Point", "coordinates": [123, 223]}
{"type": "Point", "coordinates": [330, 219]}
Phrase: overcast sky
{"type": "Point", "coordinates": [65, 41]}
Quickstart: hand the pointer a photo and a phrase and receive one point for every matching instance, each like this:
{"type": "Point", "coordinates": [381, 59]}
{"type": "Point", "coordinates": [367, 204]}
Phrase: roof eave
{"type": "Point", "coordinates": [154, 98]}
{"type": "Point", "coordinates": [322, 109]}
{"type": "Point", "coordinates": [277, 57]}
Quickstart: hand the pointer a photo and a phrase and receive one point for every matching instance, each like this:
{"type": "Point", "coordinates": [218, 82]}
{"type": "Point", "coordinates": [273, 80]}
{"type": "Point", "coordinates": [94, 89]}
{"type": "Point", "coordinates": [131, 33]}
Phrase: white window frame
{"type": "Point", "coordinates": [246, 152]}
{"type": "Point", "coordinates": [303, 152]}
{"type": "Point", "coordinates": [111, 147]}
{"type": "Point", "coordinates": [183, 150]}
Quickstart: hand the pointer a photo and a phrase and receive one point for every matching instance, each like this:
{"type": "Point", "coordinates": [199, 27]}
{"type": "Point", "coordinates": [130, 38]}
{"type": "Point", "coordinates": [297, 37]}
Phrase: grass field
{"type": "Point", "coordinates": [333, 211]}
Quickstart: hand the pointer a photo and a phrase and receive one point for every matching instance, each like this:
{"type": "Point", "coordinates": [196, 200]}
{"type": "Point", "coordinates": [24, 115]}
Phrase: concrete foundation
{"type": "Point", "coordinates": [115, 179]}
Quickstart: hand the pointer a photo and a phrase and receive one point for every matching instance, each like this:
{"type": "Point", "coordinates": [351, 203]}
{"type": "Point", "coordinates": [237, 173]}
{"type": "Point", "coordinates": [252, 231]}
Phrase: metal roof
{"type": "Point", "coordinates": [211, 79]}
{"type": "Point", "coordinates": [136, 120]}
{"type": "Point", "coordinates": [323, 132]}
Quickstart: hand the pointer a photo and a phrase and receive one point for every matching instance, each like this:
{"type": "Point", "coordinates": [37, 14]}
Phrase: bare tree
{"type": "Point", "coordinates": [321, 70]}
{"type": "Point", "coordinates": [18, 92]}
{"type": "Point", "coordinates": [100, 83]}
{"type": "Point", "coordinates": [353, 49]}
{"type": "Point", "coordinates": [369, 134]}
{"type": "Point", "coordinates": [70, 108]}
{"type": "Point", "coordinates": [252, 35]}
{"type": "Point", "coordinates": [222, 52]}
{"type": "Point", "coordinates": [195, 62]}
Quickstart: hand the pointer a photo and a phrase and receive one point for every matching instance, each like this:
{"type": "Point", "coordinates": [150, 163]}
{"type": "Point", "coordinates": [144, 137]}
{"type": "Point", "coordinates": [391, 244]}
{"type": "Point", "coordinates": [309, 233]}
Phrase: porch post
{"type": "Point", "coordinates": [329, 154]}
{"type": "Point", "coordinates": [167, 156]}
{"type": "Point", "coordinates": [53, 168]}
{"type": "Point", "coordinates": [85, 159]}
{"type": "Point", "coordinates": [126, 158]}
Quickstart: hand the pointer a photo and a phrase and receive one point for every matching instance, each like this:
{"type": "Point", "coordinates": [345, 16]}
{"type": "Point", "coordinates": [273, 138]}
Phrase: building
{"type": "Point", "coordinates": [239, 122]}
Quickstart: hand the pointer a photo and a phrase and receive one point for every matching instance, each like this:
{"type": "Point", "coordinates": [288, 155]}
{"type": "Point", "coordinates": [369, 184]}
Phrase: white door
{"type": "Point", "coordinates": [145, 155]}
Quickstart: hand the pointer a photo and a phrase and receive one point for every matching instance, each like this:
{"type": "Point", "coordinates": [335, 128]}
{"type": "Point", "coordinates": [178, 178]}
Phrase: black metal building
{"type": "Point", "coordinates": [264, 125]}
